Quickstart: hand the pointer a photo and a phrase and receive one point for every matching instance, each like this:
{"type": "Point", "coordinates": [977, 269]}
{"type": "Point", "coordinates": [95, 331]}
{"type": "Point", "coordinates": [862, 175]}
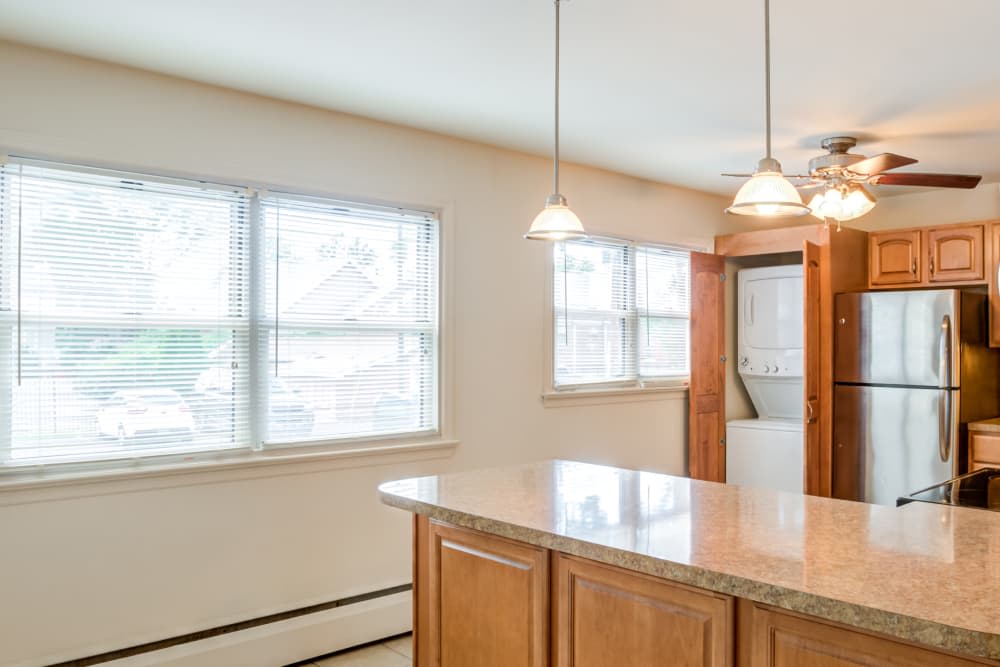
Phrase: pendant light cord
{"type": "Point", "coordinates": [767, 70]}
{"type": "Point", "coordinates": [555, 151]}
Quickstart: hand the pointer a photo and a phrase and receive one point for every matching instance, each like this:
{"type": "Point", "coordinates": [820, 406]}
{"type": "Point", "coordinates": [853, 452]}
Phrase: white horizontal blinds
{"type": "Point", "coordinates": [594, 313]}
{"type": "Point", "coordinates": [663, 296]}
{"type": "Point", "coordinates": [133, 318]}
{"type": "Point", "coordinates": [351, 320]}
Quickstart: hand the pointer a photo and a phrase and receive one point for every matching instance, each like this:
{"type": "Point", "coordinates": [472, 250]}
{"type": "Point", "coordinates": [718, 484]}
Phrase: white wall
{"type": "Point", "coordinates": [118, 564]}
{"type": "Point", "coordinates": [933, 207]}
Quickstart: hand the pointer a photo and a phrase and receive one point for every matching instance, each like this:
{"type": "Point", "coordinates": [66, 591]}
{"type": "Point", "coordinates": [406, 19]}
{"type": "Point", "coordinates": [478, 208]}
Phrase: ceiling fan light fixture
{"type": "Point", "coordinates": [768, 194]}
{"type": "Point", "coordinates": [842, 203]}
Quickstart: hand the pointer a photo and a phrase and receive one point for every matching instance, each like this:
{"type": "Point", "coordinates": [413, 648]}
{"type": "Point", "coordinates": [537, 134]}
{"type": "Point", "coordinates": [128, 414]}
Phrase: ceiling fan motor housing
{"type": "Point", "coordinates": [838, 158]}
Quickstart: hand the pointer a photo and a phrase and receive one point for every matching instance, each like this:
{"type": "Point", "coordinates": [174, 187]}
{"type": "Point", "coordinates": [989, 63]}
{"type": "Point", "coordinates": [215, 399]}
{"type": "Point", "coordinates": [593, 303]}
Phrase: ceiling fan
{"type": "Point", "coordinates": [842, 175]}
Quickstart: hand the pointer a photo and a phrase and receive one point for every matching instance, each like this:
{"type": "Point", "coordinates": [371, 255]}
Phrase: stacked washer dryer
{"type": "Point", "coordinates": [767, 452]}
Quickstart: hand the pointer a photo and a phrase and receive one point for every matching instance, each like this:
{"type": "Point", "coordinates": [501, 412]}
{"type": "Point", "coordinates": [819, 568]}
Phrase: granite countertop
{"type": "Point", "coordinates": [923, 572]}
{"type": "Point", "coordinates": [986, 425]}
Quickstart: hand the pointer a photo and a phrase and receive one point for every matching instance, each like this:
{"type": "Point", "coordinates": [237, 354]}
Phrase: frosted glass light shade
{"type": "Point", "coordinates": [839, 206]}
{"type": "Point", "coordinates": [768, 194]}
{"type": "Point", "coordinates": [556, 222]}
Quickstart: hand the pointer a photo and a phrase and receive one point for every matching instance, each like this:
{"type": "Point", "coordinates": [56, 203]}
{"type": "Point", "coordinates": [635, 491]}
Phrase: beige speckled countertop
{"type": "Point", "coordinates": [986, 425]}
{"type": "Point", "coordinates": [925, 573]}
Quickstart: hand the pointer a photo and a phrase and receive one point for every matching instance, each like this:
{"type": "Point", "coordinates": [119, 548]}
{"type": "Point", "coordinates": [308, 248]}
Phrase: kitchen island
{"type": "Point", "coordinates": [569, 563]}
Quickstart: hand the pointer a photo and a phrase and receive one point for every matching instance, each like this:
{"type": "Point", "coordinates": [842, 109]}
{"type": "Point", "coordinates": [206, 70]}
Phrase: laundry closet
{"type": "Point", "coordinates": [761, 393]}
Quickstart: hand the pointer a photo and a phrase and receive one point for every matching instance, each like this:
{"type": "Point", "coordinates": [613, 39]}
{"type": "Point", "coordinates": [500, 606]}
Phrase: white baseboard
{"type": "Point", "coordinates": [284, 642]}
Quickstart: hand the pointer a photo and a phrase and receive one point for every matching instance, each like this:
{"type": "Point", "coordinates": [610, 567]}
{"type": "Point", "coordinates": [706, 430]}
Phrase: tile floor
{"type": "Point", "coordinates": [395, 652]}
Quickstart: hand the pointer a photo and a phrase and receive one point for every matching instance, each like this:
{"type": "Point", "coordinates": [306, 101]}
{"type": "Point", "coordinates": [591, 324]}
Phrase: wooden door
{"type": "Point", "coordinates": [812, 367]}
{"type": "Point", "coordinates": [894, 257]}
{"type": "Point", "coordinates": [994, 277]}
{"type": "Point", "coordinates": [480, 599]}
{"type": "Point", "coordinates": [707, 394]}
{"type": "Point", "coordinates": [608, 616]}
{"type": "Point", "coordinates": [956, 254]}
{"type": "Point", "coordinates": [780, 639]}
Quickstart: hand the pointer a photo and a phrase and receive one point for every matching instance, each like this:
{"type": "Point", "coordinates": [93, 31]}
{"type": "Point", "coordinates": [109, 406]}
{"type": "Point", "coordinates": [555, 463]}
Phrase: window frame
{"type": "Point", "coordinates": [640, 389]}
{"type": "Point", "coordinates": [34, 473]}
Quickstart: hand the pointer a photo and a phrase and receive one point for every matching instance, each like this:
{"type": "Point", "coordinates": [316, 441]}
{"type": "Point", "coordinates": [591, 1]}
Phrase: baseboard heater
{"type": "Point", "coordinates": [199, 635]}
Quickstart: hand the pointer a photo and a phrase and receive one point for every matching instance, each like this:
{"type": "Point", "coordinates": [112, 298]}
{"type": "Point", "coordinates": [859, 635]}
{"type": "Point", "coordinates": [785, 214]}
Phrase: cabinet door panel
{"type": "Point", "coordinates": [894, 257]}
{"type": "Point", "coordinates": [994, 285]}
{"type": "Point", "coordinates": [608, 616]}
{"type": "Point", "coordinates": [707, 395]}
{"type": "Point", "coordinates": [487, 601]}
{"type": "Point", "coordinates": [785, 640]}
{"type": "Point", "coordinates": [956, 253]}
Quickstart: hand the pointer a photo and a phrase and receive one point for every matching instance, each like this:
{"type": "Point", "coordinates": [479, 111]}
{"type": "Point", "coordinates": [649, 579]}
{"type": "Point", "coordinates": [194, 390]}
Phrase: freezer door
{"type": "Point", "coordinates": [892, 441]}
{"type": "Point", "coordinates": [898, 338]}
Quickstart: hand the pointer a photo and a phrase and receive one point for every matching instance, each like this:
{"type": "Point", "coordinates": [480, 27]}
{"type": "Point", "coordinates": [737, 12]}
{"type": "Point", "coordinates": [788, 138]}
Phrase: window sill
{"type": "Point", "coordinates": [575, 397]}
{"type": "Point", "coordinates": [20, 487]}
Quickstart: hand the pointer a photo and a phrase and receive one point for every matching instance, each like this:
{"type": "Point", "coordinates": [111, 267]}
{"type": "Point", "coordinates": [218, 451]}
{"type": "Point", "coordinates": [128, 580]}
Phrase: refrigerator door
{"type": "Point", "coordinates": [892, 441]}
{"type": "Point", "coordinates": [897, 338]}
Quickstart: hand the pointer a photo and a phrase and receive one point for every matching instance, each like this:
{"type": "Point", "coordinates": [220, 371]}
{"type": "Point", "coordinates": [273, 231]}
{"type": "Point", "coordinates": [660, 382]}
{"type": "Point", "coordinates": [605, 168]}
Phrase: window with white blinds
{"type": "Point", "coordinates": [620, 313]}
{"type": "Point", "coordinates": [145, 316]}
{"type": "Point", "coordinates": [351, 320]}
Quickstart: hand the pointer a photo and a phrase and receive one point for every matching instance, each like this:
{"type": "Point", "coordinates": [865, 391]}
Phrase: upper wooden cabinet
{"type": "Point", "coordinates": [895, 257]}
{"type": "Point", "coordinates": [946, 255]}
{"type": "Point", "coordinates": [956, 253]}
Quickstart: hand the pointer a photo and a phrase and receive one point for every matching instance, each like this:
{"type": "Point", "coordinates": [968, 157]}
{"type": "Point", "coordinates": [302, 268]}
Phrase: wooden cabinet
{"type": "Point", "coordinates": [928, 256]}
{"type": "Point", "coordinates": [487, 601]}
{"type": "Point", "coordinates": [782, 639]}
{"type": "Point", "coordinates": [707, 388]}
{"type": "Point", "coordinates": [480, 600]}
{"type": "Point", "coordinates": [984, 450]}
{"type": "Point", "coordinates": [608, 616]}
{"type": "Point", "coordinates": [956, 254]}
{"type": "Point", "coordinates": [894, 257]}
{"type": "Point", "coordinates": [994, 268]}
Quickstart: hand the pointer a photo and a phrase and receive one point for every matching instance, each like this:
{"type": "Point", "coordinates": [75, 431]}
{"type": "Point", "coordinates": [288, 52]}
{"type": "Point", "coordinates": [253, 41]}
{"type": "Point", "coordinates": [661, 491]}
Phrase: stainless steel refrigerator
{"type": "Point", "coordinates": [911, 368]}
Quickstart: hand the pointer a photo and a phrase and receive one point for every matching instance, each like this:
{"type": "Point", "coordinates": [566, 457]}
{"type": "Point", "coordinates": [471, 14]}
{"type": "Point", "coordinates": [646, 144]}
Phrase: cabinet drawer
{"type": "Point", "coordinates": [984, 448]}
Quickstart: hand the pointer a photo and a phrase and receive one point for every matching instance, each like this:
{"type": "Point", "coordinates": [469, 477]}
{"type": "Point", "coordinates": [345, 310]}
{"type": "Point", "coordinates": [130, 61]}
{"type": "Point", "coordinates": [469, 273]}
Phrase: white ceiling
{"type": "Point", "coordinates": [669, 90]}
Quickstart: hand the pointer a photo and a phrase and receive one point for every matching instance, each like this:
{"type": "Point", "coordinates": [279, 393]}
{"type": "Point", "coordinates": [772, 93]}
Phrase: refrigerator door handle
{"type": "Point", "coordinates": [944, 352]}
{"type": "Point", "coordinates": [947, 427]}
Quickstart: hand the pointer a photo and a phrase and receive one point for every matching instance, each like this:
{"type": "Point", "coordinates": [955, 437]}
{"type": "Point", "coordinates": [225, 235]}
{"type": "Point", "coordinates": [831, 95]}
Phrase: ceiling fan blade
{"type": "Point", "coordinates": [927, 180]}
{"type": "Point", "coordinates": [876, 164]}
{"type": "Point", "coordinates": [739, 175]}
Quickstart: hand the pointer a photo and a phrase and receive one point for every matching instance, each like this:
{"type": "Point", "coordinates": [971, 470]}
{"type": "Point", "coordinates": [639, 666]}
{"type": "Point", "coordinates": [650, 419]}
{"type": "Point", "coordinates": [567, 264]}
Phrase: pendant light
{"type": "Point", "coordinates": [556, 222]}
{"type": "Point", "coordinates": [768, 193]}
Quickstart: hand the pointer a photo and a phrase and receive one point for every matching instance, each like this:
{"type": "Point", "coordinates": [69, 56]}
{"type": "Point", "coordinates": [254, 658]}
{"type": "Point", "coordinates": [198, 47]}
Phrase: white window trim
{"type": "Point", "coordinates": [602, 393]}
{"type": "Point", "coordinates": [401, 449]}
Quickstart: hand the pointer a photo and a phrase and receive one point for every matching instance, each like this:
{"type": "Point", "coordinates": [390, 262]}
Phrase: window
{"type": "Point", "coordinates": [144, 316]}
{"type": "Point", "coordinates": [620, 314]}
{"type": "Point", "coordinates": [351, 319]}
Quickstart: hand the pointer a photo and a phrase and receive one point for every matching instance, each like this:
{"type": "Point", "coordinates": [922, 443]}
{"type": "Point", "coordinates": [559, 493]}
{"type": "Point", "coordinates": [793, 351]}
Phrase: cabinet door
{"type": "Point", "coordinates": [608, 616]}
{"type": "Point", "coordinates": [785, 640]}
{"type": "Point", "coordinates": [812, 368]}
{"type": "Point", "coordinates": [481, 600]}
{"type": "Point", "coordinates": [994, 278]}
{"type": "Point", "coordinates": [955, 254]}
{"type": "Point", "coordinates": [984, 449]}
{"type": "Point", "coordinates": [894, 257]}
{"type": "Point", "coordinates": [707, 391]}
